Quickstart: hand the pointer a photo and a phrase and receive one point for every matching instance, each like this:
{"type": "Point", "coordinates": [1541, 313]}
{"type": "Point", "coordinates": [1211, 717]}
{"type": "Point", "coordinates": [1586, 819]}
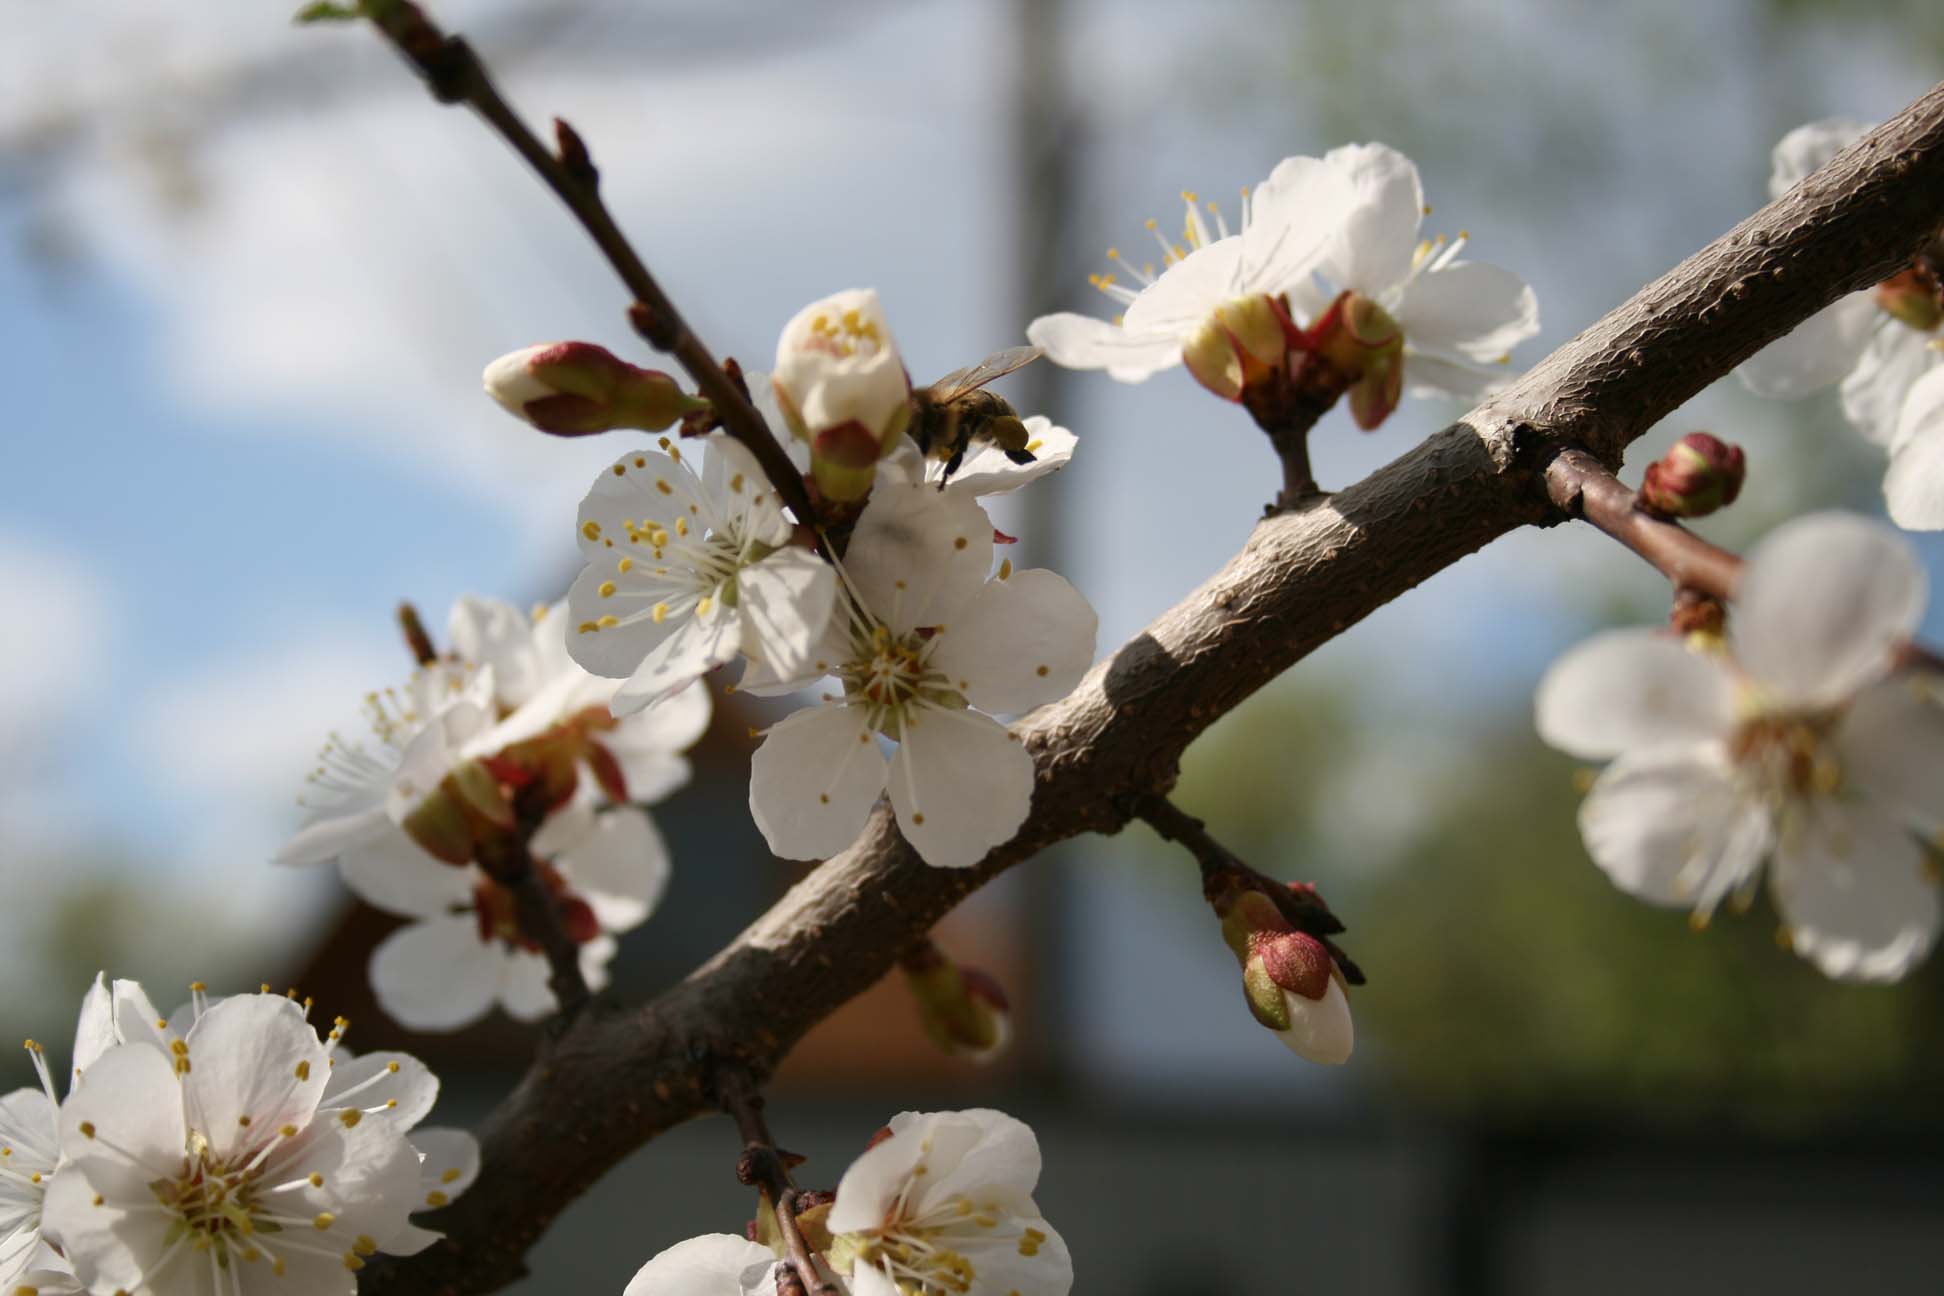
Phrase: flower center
{"type": "Point", "coordinates": [849, 334]}
{"type": "Point", "coordinates": [1786, 755]}
{"type": "Point", "coordinates": [888, 674]}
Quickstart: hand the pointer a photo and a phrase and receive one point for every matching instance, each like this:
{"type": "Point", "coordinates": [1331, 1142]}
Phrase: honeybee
{"type": "Point", "coordinates": [955, 412]}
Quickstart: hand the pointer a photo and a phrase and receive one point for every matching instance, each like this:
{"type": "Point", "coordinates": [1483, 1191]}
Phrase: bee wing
{"type": "Point", "coordinates": [973, 377]}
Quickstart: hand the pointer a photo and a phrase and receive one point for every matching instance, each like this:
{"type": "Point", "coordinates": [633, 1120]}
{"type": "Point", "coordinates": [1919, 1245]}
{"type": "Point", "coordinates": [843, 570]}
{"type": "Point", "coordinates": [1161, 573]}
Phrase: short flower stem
{"type": "Point", "coordinates": [766, 1168]}
{"type": "Point", "coordinates": [1288, 428]}
{"type": "Point", "coordinates": [1580, 485]}
{"type": "Point", "coordinates": [454, 74]}
{"type": "Point", "coordinates": [511, 865]}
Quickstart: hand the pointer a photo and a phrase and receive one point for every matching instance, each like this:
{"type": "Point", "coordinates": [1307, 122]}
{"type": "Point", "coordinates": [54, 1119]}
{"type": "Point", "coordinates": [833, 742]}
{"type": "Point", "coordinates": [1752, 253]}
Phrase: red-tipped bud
{"type": "Point", "coordinates": [1913, 296]}
{"type": "Point", "coordinates": [577, 389]}
{"type": "Point", "coordinates": [1700, 474]}
{"type": "Point", "coordinates": [577, 919]}
{"type": "Point", "coordinates": [1289, 978]}
{"type": "Point", "coordinates": [963, 1010]}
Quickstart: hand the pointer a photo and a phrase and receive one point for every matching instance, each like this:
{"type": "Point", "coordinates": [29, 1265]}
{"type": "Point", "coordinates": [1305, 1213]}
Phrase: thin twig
{"type": "Point", "coordinates": [1579, 484]}
{"type": "Point", "coordinates": [454, 74]}
{"type": "Point", "coordinates": [766, 1168]}
{"type": "Point", "coordinates": [511, 865]}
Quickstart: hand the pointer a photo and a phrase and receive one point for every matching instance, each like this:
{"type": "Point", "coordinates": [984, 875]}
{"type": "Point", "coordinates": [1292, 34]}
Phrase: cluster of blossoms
{"type": "Point", "coordinates": [941, 1204]}
{"type": "Point", "coordinates": [222, 1149]}
{"type": "Point", "coordinates": [1884, 345]}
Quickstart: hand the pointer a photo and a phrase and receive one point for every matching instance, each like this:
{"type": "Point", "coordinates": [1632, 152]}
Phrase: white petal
{"type": "Point", "coordinates": [711, 1265]}
{"type": "Point", "coordinates": [256, 1065]}
{"type": "Point", "coordinates": [919, 555]}
{"type": "Point", "coordinates": [787, 601]}
{"type": "Point", "coordinates": [1893, 361]}
{"type": "Point", "coordinates": [1809, 148]}
{"type": "Point", "coordinates": [1380, 233]}
{"type": "Point", "coordinates": [494, 633]}
{"type": "Point", "coordinates": [1005, 1263]}
{"type": "Point", "coordinates": [369, 1174]}
{"type": "Point", "coordinates": [398, 1082]}
{"type": "Point", "coordinates": [449, 1164]}
{"type": "Point", "coordinates": [133, 1101]}
{"type": "Point", "coordinates": [703, 642]}
{"type": "Point", "coordinates": [1180, 299]}
{"type": "Point", "coordinates": [1428, 374]}
{"type": "Point", "coordinates": [396, 876]}
{"type": "Point", "coordinates": [873, 1185]}
{"type": "Point", "coordinates": [1850, 882]}
{"type": "Point", "coordinates": [759, 679]}
{"type": "Point", "coordinates": [1892, 745]}
{"type": "Point", "coordinates": [1667, 826]}
{"type": "Point", "coordinates": [431, 755]}
{"type": "Point", "coordinates": [1471, 307]}
{"type": "Point", "coordinates": [1294, 218]}
{"type": "Point", "coordinates": [983, 1154]}
{"type": "Point", "coordinates": [814, 780]}
{"type": "Point", "coordinates": [1914, 485]}
{"type": "Point", "coordinates": [676, 723]}
{"type": "Point", "coordinates": [987, 471]}
{"type": "Point", "coordinates": [1083, 342]}
{"type": "Point", "coordinates": [94, 1032]}
{"type": "Point", "coordinates": [620, 869]}
{"type": "Point", "coordinates": [30, 1124]}
{"type": "Point", "coordinates": [737, 486]}
{"type": "Point", "coordinates": [1320, 1030]}
{"type": "Point", "coordinates": [865, 1280]}
{"type": "Point", "coordinates": [1626, 690]}
{"type": "Point", "coordinates": [960, 785]}
{"type": "Point", "coordinates": [435, 975]}
{"type": "Point", "coordinates": [645, 487]}
{"type": "Point", "coordinates": [1818, 352]}
{"type": "Point", "coordinates": [110, 1246]}
{"type": "Point", "coordinates": [328, 836]}
{"type": "Point", "coordinates": [1023, 641]}
{"type": "Point", "coordinates": [1824, 601]}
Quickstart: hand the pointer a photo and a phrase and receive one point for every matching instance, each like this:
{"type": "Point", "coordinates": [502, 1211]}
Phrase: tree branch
{"type": "Point", "coordinates": [766, 1167]}
{"type": "Point", "coordinates": [1581, 486]}
{"type": "Point", "coordinates": [455, 75]}
{"type": "Point", "coordinates": [620, 1076]}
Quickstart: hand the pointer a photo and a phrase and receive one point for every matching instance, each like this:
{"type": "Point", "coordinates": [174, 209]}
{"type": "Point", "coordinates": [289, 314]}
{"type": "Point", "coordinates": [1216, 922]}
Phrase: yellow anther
{"type": "Point", "coordinates": [1189, 195]}
{"type": "Point", "coordinates": [1698, 920]}
{"type": "Point", "coordinates": [592, 530]}
{"type": "Point", "coordinates": [87, 1129]}
{"type": "Point", "coordinates": [303, 1070]}
{"type": "Point", "coordinates": [608, 622]}
{"type": "Point", "coordinates": [607, 589]}
{"type": "Point", "coordinates": [436, 1198]}
{"type": "Point", "coordinates": [703, 605]}
{"type": "Point", "coordinates": [352, 1262]}
{"type": "Point", "coordinates": [1005, 568]}
{"type": "Point", "coordinates": [586, 627]}
{"type": "Point", "coordinates": [659, 612]}
{"type": "Point", "coordinates": [1151, 223]}
{"type": "Point", "coordinates": [1113, 254]}
{"type": "Point", "coordinates": [625, 566]}
{"type": "Point", "coordinates": [350, 1116]}
{"type": "Point", "coordinates": [736, 484]}
{"type": "Point", "coordinates": [324, 1221]}
{"type": "Point", "coordinates": [450, 1175]}
{"type": "Point", "coordinates": [392, 1067]}
{"type": "Point", "coordinates": [364, 1244]}
{"type": "Point", "coordinates": [288, 1131]}
{"type": "Point", "coordinates": [316, 1179]}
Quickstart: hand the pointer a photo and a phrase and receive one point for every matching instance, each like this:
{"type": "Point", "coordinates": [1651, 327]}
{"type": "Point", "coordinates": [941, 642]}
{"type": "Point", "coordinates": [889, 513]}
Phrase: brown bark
{"type": "Point", "coordinates": [620, 1074]}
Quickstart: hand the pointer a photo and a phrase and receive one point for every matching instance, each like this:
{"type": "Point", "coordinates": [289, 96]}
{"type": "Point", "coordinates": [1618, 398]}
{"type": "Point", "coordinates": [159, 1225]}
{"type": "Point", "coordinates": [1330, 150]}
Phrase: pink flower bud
{"type": "Point", "coordinates": [1289, 977]}
{"type": "Point", "coordinates": [1700, 474]}
{"type": "Point", "coordinates": [577, 389]}
{"type": "Point", "coordinates": [842, 387]}
{"type": "Point", "coordinates": [963, 1010]}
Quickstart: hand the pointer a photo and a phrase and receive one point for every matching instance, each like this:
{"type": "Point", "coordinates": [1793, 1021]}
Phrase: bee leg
{"type": "Point", "coordinates": [1021, 456]}
{"type": "Point", "coordinates": [951, 466]}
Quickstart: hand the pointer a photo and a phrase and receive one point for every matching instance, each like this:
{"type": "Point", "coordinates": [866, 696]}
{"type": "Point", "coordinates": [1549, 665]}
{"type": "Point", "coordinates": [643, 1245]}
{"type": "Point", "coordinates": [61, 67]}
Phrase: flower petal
{"type": "Point", "coordinates": [1816, 353]}
{"type": "Point", "coordinates": [435, 975]}
{"type": "Point", "coordinates": [449, 1162]}
{"type": "Point", "coordinates": [991, 1157]}
{"type": "Point", "coordinates": [876, 1181]}
{"type": "Point", "coordinates": [1294, 218]}
{"type": "Point", "coordinates": [987, 471]}
{"type": "Point", "coordinates": [1023, 641]}
{"type": "Point", "coordinates": [715, 1264]}
{"type": "Point", "coordinates": [637, 492]}
{"type": "Point", "coordinates": [620, 868]}
{"type": "Point", "coordinates": [787, 601]}
{"type": "Point", "coordinates": [1892, 745]}
{"type": "Point", "coordinates": [814, 780]}
{"type": "Point", "coordinates": [1667, 826]}
{"type": "Point", "coordinates": [1380, 231]}
{"type": "Point", "coordinates": [734, 481]}
{"type": "Point", "coordinates": [1628, 690]}
{"type": "Point", "coordinates": [919, 555]}
{"type": "Point", "coordinates": [1824, 602]}
{"type": "Point", "coordinates": [1083, 342]}
{"type": "Point", "coordinates": [132, 1099]}
{"type": "Point", "coordinates": [1874, 393]}
{"type": "Point", "coordinates": [328, 836]}
{"type": "Point", "coordinates": [1472, 307]}
{"type": "Point", "coordinates": [1852, 886]}
{"type": "Point", "coordinates": [1320, 1030]}
{"type": "Point", "coordinates": [494, 633]}
{"type": "Point", "coordinates": [703, 642]}
{"type": "Point", "coordinates": [1021, 1255]}
{"type": "Point", "coordinates": [256, 1064]}
{"type": "Point", "coordinates": [1182, 296]}
{"type": "Point", "coordinates": [1428, 374]}
{"type": "Point", "coordinates": [110, 1245]}
{"type": "Point", "coordinates": [1914, 486]}
{"type": "Point", "coordinates": [398, 1082]}
{"type": "Point", "coordinates": [360, 1170]}
{"type": "Point", "coordinates": [960, 784]}
{"type": "Point", "coordinates": [393, 874]}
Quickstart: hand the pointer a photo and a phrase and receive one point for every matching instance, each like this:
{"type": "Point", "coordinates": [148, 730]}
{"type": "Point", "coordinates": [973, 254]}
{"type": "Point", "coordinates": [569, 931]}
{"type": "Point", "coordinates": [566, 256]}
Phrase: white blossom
{"type": "Point", "coordinates": [944, 1207]}
{"type": "Point", "coordinates": [715, 1264]}
{"type": "Point", "coordinates": [1795, 747]}
{"type": "Point", "coordinates": [838, 366]}
{"type": "Point", "coordinates": [230, 1159]}
{"type": "Point", "coordinates": [929, 647]}
{"type": "Point", "coordinates": [686, 571]}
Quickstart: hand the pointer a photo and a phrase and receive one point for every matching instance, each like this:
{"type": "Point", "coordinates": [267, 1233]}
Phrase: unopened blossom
{"type": "Point", "coordinates": [215, 1165]}
{"type": "Point", "coordinates": [577, 388]}
{"type": "Point", "coordinates": [944, 1207]}
{"type": "Point", "coordinates": [1289, 978]}
{"type": "Point", "coordinates": [1205, 268]}
{"type": "Point", "coordinates": [1795, 746]}
{"type": "Point", "coordinates": [842, 388]}
{"type": "Point", "coordinates": [963, 1009]}
{"type": "Point", "coordinates": [1698, 475]}
{"type": "Point", "coordinates": [1879, 343]}
{"type": "Point", "coordinates": [930, 648]}
{"type": "Point", "coordinates": [465, 951]}
{"type": "Point", "coordinates": [715, 1264]}
{"type": "Point", "coordinates": [688, 570]}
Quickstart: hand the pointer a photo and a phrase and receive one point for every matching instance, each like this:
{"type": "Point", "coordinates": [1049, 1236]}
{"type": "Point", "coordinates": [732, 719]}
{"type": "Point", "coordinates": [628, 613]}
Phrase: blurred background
{"type": "Point", "coordinates": [249, 275]}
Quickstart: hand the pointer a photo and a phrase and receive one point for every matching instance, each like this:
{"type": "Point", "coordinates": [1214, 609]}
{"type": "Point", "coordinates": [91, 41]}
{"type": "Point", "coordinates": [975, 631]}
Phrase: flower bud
{"type": "Point", "coordinates": [1700, 474]}
{"type": "Point", "coordinates": [1914, 297]}
{"type": "Point", "coordinates": [1366, 346]}
{"type": "Point", "coordinates": [842, 388]}
{"type": "Point", "coordinates": [1289, 977]}
{"type": "Point", "coordinates": [577, 388]}
{"type": "Point", "coordinates": [963, 1010]}
{"type": "Point", "coordinates": [1242, 343]}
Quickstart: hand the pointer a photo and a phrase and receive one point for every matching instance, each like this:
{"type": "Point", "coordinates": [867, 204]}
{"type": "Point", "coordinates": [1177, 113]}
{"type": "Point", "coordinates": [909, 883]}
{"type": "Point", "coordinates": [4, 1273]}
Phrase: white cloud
{"type": "Point", "coordinates": [59, 621]}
